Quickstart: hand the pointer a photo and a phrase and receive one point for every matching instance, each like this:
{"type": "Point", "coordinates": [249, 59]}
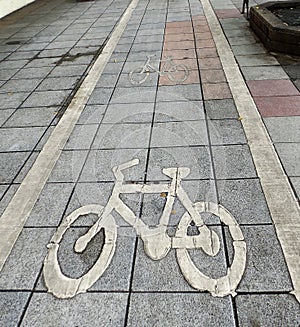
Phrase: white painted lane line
{"type": "Point", "coordinates": [14, 217]}
{"type": "Point", "coordinates": [284, 208]}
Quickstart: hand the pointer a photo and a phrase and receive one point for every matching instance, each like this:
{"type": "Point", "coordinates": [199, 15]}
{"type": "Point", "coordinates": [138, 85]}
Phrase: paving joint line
{"type": "Point", "coordinates": [281, 200]}
{"type": "Point", "coordinates": [14, 217]}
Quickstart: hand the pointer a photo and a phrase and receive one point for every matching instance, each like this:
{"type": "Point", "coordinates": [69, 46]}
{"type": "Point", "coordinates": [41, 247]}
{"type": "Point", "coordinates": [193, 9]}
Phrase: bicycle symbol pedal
{"type": "Point", "coordinates": [157, 243]}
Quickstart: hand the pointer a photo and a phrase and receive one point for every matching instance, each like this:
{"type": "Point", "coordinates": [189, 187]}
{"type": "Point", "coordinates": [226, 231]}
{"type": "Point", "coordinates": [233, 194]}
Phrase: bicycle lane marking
{"type": "Point", "coordinates": [283, 206]}
{"type": "Point", "coordinates": [157, 243]}
{"type": "Point", "coordinates": [18, 210]}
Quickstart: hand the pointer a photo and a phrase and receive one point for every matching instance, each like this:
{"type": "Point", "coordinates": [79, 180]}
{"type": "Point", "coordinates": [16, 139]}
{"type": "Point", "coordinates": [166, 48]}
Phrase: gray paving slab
{"type": "Point", "coordinates": [7, 197]}
{"type": "Point", "coordinates": [163, 309]}
{"type": "Point", "coordinates": [10, 64]}
{"type": "Point", "coordinates": [12, 304]}
{"type": "Point", "coordinates": [124, 80]}
{"type": "Point", "coordinates": [233, 161]}
{"type": "Point", "coordinates": [20, 85]}
{"type": "Point", "coordinates": [196, 158]}
{"type": "Point", "coordinates": [58, 83]}
{"type": "Point", "coordinates": [46, 98]}
{"type": "Point", "coordinates": [12, 100]}
{"type": "Point", "coordinates": [226, 132]}
{"type": "Point", "coordinates": [266, 269]}
{"type": "Point", "coordinates": [187, 133]}
{"type": "Point", "coordinates": [256, 60]}
{"type": "Point", "coordinates": [289, 154]}
{"type": "Point", "coordinates": [107, 308]}
{"type": "Point", "coordinates": [99, 165]}
{"type": "Point", "coordinates": [247, 49]}
{"type": "Point", "coordinates": [31, 117]}
{"type": "Point", "coordinates": [44, 62]}
{"type": "Point", "coordinates": [101, 96]}
{"type": "Point", "coordinates": [3, 189]}
{"type": "Point", "coordinates": [179, 92]}
{"type": "Point", "coordinates": [26, 167]}
{"type": "Point", "coordinates": [283, 129]}
{"type": "Point", "coordinates": [134, 95]}
{"type": "Point", "coordinates": [50, 206]}
{"type": "Point", "coordinates": [25, 261]}
{"type": "Point", "coordinates": [129, 113]}
{"type": "Point", "coordinates": [21, 55]}
{"type": "Point", "coordinates": [92, 114]}
{"type": "Point", "coordinates": [179, 111]}
{"type": "Point", "coordinates": [245, 200]}
{"type": "Point", "coordinates": [67, 70]}
{"type": "Point", "coordinates": [268, 310]}
{"type": "Point", "coordinates": [141, 55]}
{"type": "Point", "coordinates": [20, 139]}
{"type": "Point", "coordinates": [81, 137]}
{"type": "Point", "coordinates": [240, 40]}
{"type": "Point", "coordinates": [6, 74]}
{"type": "Point", "coordinates": [107, 80]}
{"type": "Point", "coordinates": [264, 72]}
{"type": "Point", "coordinates": [5, 114]}
{"type": "Point", "coordinates": [10, 165]}
{"type": "Point", "coordinates": [124, 136]}
{"type": "Point", "coordinates": [220, 109]}
{"type": "Point", "coordinates": [296, 185]}
{"type": "Point", "coordinates": [37, 72]}
{"type": "Point", "coordinates": [68, 166]}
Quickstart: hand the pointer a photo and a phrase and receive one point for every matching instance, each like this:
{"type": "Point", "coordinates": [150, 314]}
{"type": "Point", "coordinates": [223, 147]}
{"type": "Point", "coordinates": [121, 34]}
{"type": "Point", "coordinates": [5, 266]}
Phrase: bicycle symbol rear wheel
{"type": "Point", "coordinates": [178, 73]}
{"type": "Point", "coordinates": [63, 286]}
{"type": "Point", "coordinates": [220, 286]}
{"type": "Point", "coordinates": [138, 76]}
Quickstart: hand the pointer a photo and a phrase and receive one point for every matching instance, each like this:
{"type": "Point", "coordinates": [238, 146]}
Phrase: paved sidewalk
{"type": "Point", "coordinates": [47, 50]}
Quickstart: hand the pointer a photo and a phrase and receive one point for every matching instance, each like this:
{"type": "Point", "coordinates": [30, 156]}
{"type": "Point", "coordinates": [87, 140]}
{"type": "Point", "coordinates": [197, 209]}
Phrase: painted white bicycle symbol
{"type": "Point", "coordinates": [156, 241]}
{"type": "Point", "coordinates": [175, 73]}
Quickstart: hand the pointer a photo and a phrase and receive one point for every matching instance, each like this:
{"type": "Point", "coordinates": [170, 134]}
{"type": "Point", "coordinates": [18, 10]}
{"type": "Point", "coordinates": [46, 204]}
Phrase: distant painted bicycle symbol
{"type": "Point", "coordinates": [175, 73]}
{"type": "Point", "coordinates": [157, 243]}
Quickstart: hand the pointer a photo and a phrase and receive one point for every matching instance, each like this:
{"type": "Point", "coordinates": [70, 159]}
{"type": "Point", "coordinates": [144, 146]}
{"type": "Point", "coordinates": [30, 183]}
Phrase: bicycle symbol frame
{"type": "Point", "coordinates": [157, 243]}
{"type": "Point", "coordinates": [177, 73]}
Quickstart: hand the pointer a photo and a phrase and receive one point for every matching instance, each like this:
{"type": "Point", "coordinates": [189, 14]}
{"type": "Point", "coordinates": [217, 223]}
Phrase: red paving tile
{"type": "Point", "coordinates": [216, 91]}
{"type": "Point", "coordinates": [203, 36]}
{"type": "Point", "coordinates": [213, 76]}
{"type": "Point", "coordinates": [210, 63]}
{"type": "Point", "coordinates": [227, 13]}
{"type": "Point", "coordinates": [178, 30]}
{"type": "Point", "coordinates": [272, 87]}
{"type": "Point", "coordinates": [179, 37]}
{"type": "Point", "coordinates": [180, 54]}
{"type": "Point", "coordinates": [182, 45]}
{"type": "Point", "coordinates": [278, 106]}
{"type": "Point", "coordinates": [209, 43]}
{"type": "Point", "coordinates": [193, 78]}
{"type": "Point", "coordinates": [199, 23]}
{"type": "Point", "coordinates": [207, 53]}
{"type": "Point", "coordinates": [198, 18]}
{"type": "Point", "coordinates": [201, 29]}
{"type": "Point", "coordinates": [191, 64]}
{"type": "Point", "coordinates": [185, 23]}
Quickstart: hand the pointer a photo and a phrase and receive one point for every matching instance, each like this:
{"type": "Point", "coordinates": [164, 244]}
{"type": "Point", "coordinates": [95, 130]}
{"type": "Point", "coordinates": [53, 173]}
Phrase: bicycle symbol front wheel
{"type": "Point", "coordinates": [178, 73]}
{"type": "Point", "coordinates": [138, 76]}
{"type": "Point", "coordinates": [220, 286]}
{"type": "Point", "coordinates": [63, 286]}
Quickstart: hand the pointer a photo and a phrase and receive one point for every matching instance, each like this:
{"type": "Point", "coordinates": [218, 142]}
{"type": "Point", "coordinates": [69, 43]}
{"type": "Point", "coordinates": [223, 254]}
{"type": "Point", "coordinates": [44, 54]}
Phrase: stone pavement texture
{"type": "Point", "coordinates": [46, 51]}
